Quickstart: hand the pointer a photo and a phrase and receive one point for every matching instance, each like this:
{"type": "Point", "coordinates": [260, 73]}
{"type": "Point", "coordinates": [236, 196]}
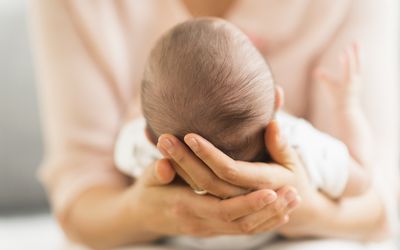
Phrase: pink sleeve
{"type": "Point", "coordinates": [375, 26]}
{"type": "Point", "coordinates": [82, 95]}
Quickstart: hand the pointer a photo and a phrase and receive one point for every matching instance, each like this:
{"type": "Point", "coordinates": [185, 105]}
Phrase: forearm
{"type": "Point", "coordinates": [354, 131]}
{"type": "Point", "coordinates": [101, 219]}
{"type": "Point", "coordinates": [359, 180]}
{"type": "Point", "coordinates": [359, 218]}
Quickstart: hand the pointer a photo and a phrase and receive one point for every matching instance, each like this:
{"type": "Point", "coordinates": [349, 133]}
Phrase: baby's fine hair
{"type": "Point", "coordinates": [205, 76]}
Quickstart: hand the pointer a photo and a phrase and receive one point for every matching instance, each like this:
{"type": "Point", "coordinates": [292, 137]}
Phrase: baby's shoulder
{"type": "Point", "coordinates": [301, 133]}
{"type": "Point", "coordinates": [291, 125]}
{"type": "Point", "coordinates": [133, 152]}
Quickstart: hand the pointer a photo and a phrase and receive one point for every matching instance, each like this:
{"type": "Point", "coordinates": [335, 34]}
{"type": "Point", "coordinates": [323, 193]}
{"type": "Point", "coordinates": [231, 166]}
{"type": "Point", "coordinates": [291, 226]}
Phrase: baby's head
{"type": "Point", "coordinates": [204, 76]}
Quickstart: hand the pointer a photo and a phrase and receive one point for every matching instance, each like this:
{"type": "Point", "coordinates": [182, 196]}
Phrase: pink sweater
{"type": "Point", "coordinates": [90, 58]}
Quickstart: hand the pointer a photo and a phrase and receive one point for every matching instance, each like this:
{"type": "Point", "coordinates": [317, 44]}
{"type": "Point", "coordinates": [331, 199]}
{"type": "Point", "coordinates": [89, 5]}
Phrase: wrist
{"type": "Point", "coordinates": [347, 105]}
{"type": "Point", "coordinates": [300, 225]}
{"type": "Point", "coordinates": [316, 209]}
{"type": "Point", "coordinates": [134, 216]}
{"type": "Point", "coordinates": [98, 218]}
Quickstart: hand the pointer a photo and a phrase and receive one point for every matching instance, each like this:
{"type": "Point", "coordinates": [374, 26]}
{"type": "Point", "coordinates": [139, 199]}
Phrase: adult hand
{"type": "Point", "coordinates": [205, 167]}
{"type": "Point", "coordinates": [176, 210]}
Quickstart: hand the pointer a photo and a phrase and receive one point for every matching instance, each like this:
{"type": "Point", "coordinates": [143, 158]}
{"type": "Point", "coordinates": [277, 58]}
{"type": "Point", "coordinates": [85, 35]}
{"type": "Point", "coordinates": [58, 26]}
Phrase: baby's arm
{"type": "Point", "coordinates": [351, 126]}
{"type": "Point", "coordinates": [359, 179]}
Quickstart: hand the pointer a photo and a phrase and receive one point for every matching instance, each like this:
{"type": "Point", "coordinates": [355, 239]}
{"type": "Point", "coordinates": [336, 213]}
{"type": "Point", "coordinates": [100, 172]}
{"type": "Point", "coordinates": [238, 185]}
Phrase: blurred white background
{"type": "Point", "coordinates": [20, 147]}
{"type": "Point", "coordinates": [25, 222]}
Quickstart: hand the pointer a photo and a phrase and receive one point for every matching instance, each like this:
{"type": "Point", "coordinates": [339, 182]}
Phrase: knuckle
{"type": "Point", "coordinates": [179, 157]}
{"type": "Point", "coordinates": [206, 183]}
{"type": "Point", "coordinates": [246, 227]}
{"type": "Point", "coordinates": [204, 154]}
{"type": "Point", "coordinates": [226, 216]}
{"type": "Point", "coordinates": [231, 173]}
{"type": "Point", "coordinates": [254, 205]}
{"type": "Point", "coordinates": [283, 219]}
{"type": "Point", "coordinates": [277, 207]}
{"type": "Point", "coordinates": [280, 218]}
{"type": "Point", "coordinates": [263, 183]}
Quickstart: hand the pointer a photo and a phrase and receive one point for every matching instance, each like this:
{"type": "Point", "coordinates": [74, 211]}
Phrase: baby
{"type": "Point", "coordinates": [204, 76]}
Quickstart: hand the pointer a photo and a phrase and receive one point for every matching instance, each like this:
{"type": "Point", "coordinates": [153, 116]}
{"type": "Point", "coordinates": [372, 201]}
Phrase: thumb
{"type": "Point", "coordinates": [278, 147]}
{"type": "Point", "coordinates": [159, 173]}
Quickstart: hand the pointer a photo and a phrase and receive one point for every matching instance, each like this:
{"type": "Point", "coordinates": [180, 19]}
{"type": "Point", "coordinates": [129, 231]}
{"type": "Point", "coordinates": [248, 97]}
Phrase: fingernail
{"type": "Point", "coordinates": [192, 143]}
{"type": "Point", "coordinates": [167, 144]}
{"type": "Point", "coordinates": [269, 198]}
{"type": "Point", "coordinates": [290, 196]}
{"type": "Point", "coordinates": [162, 150]}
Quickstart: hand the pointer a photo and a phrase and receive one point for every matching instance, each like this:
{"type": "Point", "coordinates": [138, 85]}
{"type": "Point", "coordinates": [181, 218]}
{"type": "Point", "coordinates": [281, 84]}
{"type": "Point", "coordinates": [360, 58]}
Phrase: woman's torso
{"type": "Point", "coordinates": [290, 45]}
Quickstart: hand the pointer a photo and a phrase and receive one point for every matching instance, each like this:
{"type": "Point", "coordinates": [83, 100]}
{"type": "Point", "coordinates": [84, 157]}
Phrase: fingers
{"type": "Point", "coordinates": [271, 225]}
{"type": "Point", "coordinates": [353, 58]}
{"type": "Point", "coordinates": [194, 169]}
{"type": "Point", "coordinates": [356, 49]}
{"type": "Point", "coordinates": [278, 147]}
{"type": "Point", "coordinates": [200, 215]}
{"type": "Point", "coordinates": [351, 63]}
{"type": "Point", "coordinates": [238, 173]}
{"type": "Point", "coordinates": [209, 154]}
{"type": "Point", "coordinates": [184, 175]}
{"type": "Point", "coordinates": [234, 208]}
{"type": "Point", "coordinates": [351, 67]}
{"type": "Point", "coordinates": [206, 215]}
{"type": "Point", "coordinates": [159, 173]}
{"type": "Point", "coordinates": [273, 214]}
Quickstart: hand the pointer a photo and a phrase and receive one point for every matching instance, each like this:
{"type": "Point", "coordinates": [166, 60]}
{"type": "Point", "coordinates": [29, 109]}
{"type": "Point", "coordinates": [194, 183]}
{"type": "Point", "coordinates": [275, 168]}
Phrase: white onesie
{"type": "Point", "coordinates": [325, 159]}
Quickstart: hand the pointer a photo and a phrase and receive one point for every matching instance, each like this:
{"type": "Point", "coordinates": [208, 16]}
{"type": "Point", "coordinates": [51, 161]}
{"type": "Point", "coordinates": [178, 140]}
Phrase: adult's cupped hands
{"type": "Point", "coordinates": [237, 183]}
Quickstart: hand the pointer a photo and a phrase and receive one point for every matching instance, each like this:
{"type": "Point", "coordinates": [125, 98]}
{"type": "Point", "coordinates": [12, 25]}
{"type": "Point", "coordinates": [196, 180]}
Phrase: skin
{"type": "Point", "coordinates": [116, 207]}
{"type": "Point", "coordinates": [355, 131]}
{"type": "Point", "coordinates": [250, 210]}
{"type": "Point", "coordinates": [205, 167]}
{"type": "Point", "coordinates": [154, 207]}
{"type": "Point", "coordinates": [194, 167]}
{"type": "Point", "coordinates": [173, 209]}
{"type": "Point", "coordinates": [332, 219]}
{"type": "Point", "coordinates": [138, 218]}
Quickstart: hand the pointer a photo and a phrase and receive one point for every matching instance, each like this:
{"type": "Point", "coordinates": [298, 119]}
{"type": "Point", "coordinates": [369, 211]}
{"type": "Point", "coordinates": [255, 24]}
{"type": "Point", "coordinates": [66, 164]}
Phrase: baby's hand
{"type": "Point", "coordinates": [345, 88]}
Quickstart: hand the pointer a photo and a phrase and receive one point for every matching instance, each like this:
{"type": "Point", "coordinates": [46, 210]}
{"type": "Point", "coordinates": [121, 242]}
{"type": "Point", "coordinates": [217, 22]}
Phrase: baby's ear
{"type": "Point", "coordinates": [150, 136]}
{"type": "Point", "coordinates": [279, 97]}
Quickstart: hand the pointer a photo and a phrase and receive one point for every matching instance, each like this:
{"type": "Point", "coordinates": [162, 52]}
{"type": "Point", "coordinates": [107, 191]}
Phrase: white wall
{"type": "Point", "coordinates": [20, 145]}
